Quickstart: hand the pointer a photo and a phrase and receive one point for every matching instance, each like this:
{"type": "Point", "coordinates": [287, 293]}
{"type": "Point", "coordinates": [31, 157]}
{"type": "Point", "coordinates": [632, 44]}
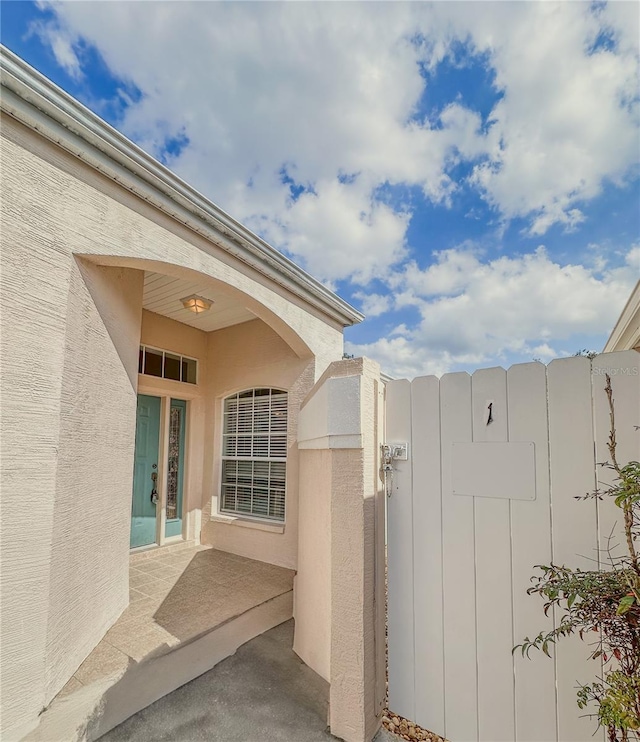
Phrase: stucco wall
{"type": "Point", "coordinates": [312, 596]}
{"type": "Point", "coordinates": [35, 289]}
{"type": "Point", "coordinates": [55, 207]}
{"type": "Point", "coordinates": [243, 357]}
{"type": "Point", "coordinates": [341, 562]}
{"type": "Point", "coordinates": [99, 219]}
{"type": "Point", "coordinates": [89, 586]}
{"type": "Point", "coordinates": [240, 357]}
{"type": "Point", "coordinates": [167, 334]}
{"type": "Point", "coordinates": [69, 360]}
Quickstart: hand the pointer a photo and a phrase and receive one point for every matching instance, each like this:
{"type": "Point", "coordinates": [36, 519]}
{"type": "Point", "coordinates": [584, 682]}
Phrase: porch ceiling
{"type": "Point", "coordinates": [163, 294]}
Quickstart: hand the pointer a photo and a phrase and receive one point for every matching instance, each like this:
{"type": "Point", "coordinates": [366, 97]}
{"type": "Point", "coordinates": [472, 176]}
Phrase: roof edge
{"type": "Point", "coordinates": [135, 168]}
{"type": "Point", "coordinates": [627, 328]}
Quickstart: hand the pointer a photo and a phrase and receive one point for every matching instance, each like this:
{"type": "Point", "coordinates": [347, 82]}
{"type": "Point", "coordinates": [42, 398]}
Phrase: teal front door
{"type": "Point", "coordinates": [145, 472]}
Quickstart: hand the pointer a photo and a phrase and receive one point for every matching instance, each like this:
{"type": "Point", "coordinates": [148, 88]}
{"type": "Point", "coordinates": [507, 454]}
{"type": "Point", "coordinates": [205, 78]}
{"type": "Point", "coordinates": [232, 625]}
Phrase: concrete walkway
{"type": "Point", "coordinates": [263, 693]}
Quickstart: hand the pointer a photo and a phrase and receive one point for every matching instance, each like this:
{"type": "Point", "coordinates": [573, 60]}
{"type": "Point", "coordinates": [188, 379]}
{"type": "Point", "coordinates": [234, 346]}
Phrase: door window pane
{"type": "Point", "coordinates": [173, 467]}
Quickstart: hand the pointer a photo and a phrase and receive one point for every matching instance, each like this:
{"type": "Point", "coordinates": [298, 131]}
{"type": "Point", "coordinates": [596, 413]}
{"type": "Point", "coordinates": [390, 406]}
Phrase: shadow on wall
{"type": "Point", "coordinates": [117, 295]}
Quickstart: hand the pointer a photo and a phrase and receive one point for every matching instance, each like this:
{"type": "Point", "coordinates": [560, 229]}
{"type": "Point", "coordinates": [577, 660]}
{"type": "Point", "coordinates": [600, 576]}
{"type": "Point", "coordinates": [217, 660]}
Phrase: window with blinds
{"type": "Point", "coordinates": [254, 453]}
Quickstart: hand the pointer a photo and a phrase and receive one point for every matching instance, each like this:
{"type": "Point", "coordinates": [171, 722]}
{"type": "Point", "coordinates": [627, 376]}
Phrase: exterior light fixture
{"type": "Point", "coordinates": [196, 304]}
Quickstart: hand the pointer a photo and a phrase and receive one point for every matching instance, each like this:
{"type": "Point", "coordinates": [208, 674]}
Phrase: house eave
{"type": "Point", "coordinates": [626, 333]}
{"type": "Point", "coordinates": [39, 104]}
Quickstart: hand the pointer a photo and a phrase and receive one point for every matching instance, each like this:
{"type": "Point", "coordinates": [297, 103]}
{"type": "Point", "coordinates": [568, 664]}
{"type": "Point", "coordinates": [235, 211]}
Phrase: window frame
{"type": "Point", "coordinates": [240, 514]}
{"type": "Point", "coordinates": [163, 351]}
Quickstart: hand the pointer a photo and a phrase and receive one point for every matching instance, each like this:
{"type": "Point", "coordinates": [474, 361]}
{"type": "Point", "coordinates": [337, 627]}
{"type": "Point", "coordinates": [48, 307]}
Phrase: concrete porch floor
{"type": "Point", "coordinates": [190, 607]}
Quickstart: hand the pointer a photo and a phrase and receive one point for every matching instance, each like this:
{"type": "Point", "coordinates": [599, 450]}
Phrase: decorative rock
{"type": "Point", "coordinates": [406, 729]}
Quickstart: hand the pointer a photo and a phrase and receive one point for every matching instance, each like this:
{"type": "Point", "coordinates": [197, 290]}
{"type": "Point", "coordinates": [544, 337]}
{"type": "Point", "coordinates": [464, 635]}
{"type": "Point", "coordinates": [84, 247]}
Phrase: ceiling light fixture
{"type": "Point", "coordinates": [196, 304]}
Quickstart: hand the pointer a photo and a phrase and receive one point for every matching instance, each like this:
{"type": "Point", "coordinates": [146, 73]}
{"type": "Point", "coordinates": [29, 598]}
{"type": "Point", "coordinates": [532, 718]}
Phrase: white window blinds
{"type": "Point", "coordinates": [254, 453]}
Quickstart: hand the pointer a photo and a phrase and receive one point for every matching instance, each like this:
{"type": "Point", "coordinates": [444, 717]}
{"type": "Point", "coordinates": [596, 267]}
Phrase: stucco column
{"type": "Point", "coordinates": [340, 582]}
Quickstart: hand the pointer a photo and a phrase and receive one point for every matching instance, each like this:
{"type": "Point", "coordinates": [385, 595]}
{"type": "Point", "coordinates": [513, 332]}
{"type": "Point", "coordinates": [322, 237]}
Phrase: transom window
{"type": "Point", "coordinates": [167, 365]}
{"type": "Point", "coordinates": [254, 453]}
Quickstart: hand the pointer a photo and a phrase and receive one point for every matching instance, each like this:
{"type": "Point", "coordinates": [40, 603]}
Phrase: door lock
{"type": "Point", "coordinates": [391, 452]}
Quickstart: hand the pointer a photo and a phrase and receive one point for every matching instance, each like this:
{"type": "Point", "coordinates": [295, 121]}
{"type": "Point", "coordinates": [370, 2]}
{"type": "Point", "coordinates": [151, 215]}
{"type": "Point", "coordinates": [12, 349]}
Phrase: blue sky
{"type": "Point", "coordinates": [465, 173]}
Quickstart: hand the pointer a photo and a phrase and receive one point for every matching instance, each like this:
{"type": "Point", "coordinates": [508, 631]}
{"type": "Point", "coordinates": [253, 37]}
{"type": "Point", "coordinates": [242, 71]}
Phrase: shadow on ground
{"type": "Point", "coordinates": [263, 693]}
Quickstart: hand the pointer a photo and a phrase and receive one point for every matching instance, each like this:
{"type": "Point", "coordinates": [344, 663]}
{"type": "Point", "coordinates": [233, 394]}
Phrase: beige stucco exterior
{"type": "Point", "coordinates": [340, 591]}
{"type": "Point", "coordinates": [243, 357]}
{"type": "Point", "coordinates": [75, 246]}
{"type": "Point", "coordinates": [233, 359]}
{"type": "Point", "coordinates": [66, 460]}
{"type": "Point", "coordinates": [88, 222]}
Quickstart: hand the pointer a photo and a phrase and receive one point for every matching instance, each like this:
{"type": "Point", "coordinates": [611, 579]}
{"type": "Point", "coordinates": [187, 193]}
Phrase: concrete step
{"type": "Point", "coordinates": [85, 712]}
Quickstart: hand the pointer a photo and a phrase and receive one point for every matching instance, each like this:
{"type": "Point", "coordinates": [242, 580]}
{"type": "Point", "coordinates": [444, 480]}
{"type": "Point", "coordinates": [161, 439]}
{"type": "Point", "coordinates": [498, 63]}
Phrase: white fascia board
{"type": "Point", "coordinates": [41, 105]}
{"type": "Point", "coordinates": [626, 333]}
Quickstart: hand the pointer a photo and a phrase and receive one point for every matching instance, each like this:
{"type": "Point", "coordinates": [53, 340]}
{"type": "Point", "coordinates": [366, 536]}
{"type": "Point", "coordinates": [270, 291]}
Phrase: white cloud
{"type": "Point", "coordinates": [510, 307]}
{"type": "Point", "coordinates": [338, 230]}
{"type": "Point", "coordinates": [325, 89]}
{"type": "Point", "coordinates": [330, 94]}
{"type": "Point", "coordinates": [373, 305]}
{"type": "Point", "coordinates": [62, 42]}
{"type": "Point", "coordinates": [568, 120]}
{"type": "Point", "coordinates": [544, 352]}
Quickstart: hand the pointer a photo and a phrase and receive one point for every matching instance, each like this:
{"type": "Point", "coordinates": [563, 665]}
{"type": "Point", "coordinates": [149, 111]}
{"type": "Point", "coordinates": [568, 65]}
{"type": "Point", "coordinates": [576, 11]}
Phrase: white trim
{"type": "Point", "coordinates": [273, 526]}
{"type": "Point", "coordinates": [163, 456]}
{"type": "Point", "coordinates": [156, 386]}
{"type": "Point", "coordinates": [144, 347]}
{"type": "Point", "coordinates": [38, 103]}
{"type": "Point", "coordinates": [174, 540]}
{"type": "Point", "coordinates": [626, 333]}
{"type": "Point", "coordinates": [140, 549]}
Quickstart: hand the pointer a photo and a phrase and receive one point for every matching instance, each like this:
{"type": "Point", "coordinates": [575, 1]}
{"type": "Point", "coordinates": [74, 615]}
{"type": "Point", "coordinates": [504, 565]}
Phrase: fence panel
{"type": "Point", "coordinates": [531, 539]}
{"type": "Point", "coordinates": [458, 554]}
{"type": "Point", "coordinates": [462, 549]}
{"type": "Point", "coordinates": [427, 544]}
{"type": "Point", "coordinates": [400, 573]}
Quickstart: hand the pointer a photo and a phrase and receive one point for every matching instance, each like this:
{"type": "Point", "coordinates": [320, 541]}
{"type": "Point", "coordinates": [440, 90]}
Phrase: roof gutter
{"type": "Point", "coordinates": [41, 105]}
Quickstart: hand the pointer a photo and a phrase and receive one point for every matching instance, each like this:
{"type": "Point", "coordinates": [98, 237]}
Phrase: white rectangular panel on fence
{"type": "Point", "coordinates": [506, 470]}
{"type": "Point", "coordinates": [497, 464]}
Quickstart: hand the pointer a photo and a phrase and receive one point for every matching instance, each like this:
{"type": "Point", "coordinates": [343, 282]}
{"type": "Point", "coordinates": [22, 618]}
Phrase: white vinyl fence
{"type": "Point", "coordinates": [477, 504]}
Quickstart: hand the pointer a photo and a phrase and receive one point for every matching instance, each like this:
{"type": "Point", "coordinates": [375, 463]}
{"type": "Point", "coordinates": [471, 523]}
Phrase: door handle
{"type": "Point", "coordinates": [154, 491]}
